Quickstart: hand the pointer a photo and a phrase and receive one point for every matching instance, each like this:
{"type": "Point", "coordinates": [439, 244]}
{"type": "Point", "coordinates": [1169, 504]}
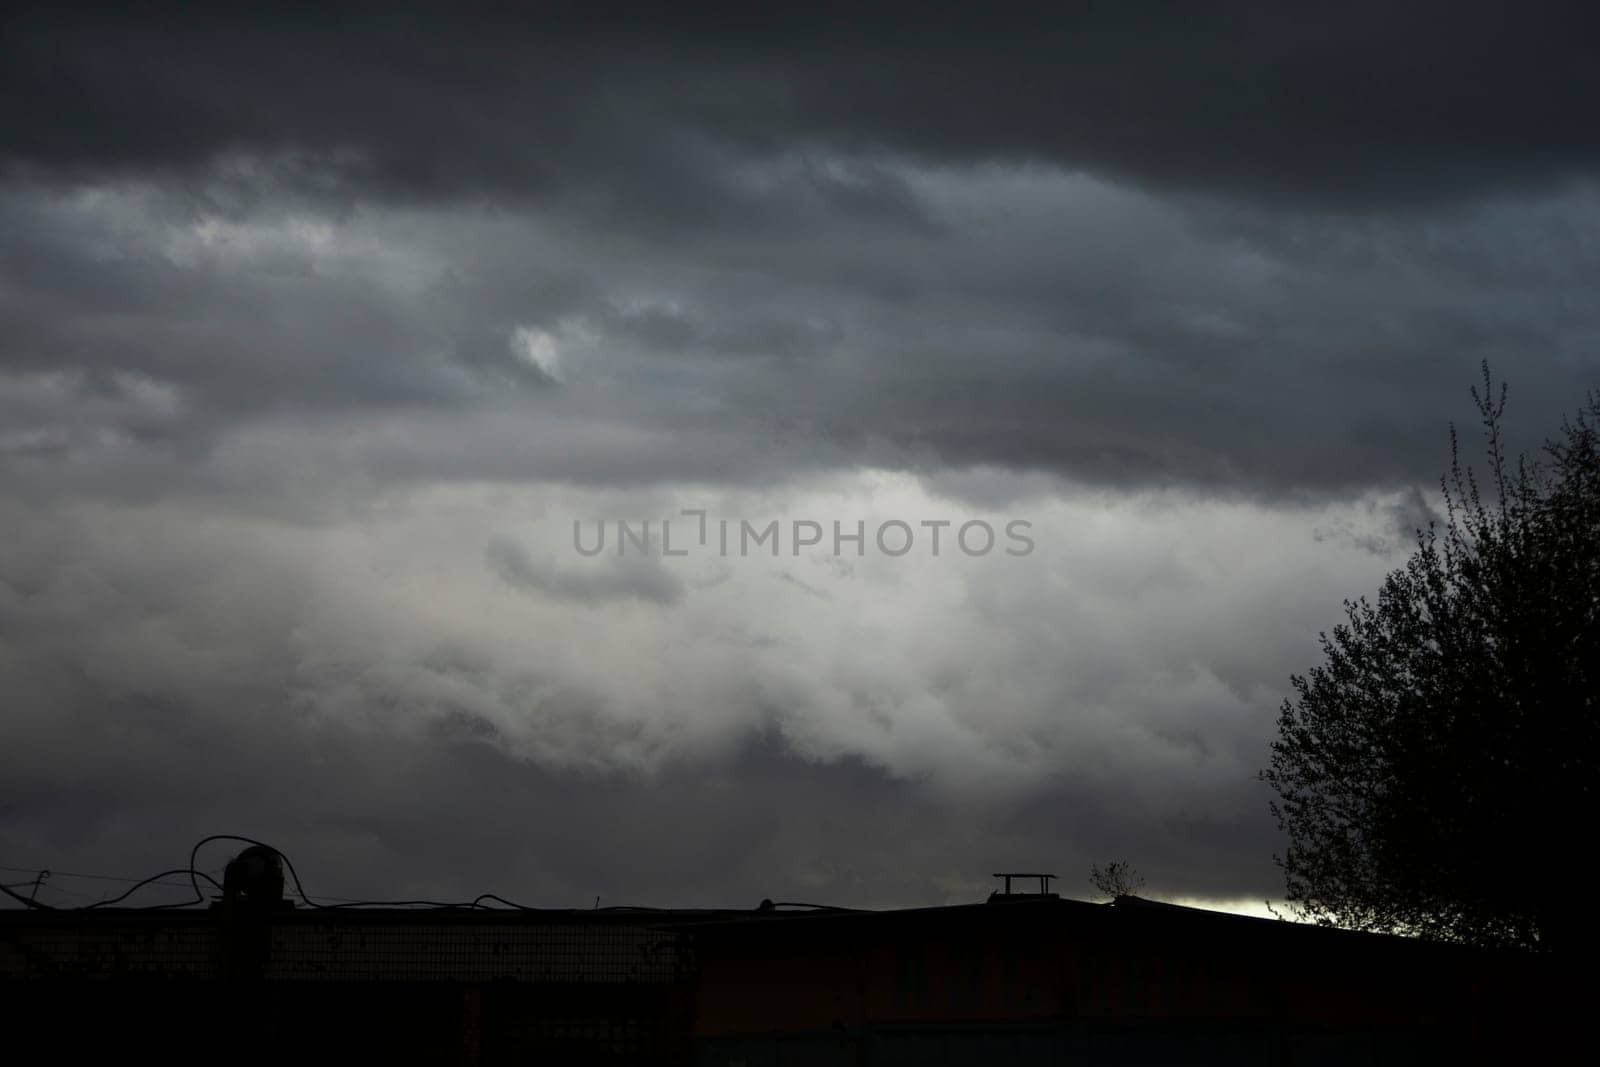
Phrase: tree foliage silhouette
{"type": "Point", "coordinates": [1437, 773]}
{"type": "Point", "coordinates": [1116, 879]}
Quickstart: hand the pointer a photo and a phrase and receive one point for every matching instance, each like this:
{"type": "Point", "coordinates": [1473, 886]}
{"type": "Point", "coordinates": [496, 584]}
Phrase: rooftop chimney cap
{"type": "Point", "coordinates": [1044, 884]}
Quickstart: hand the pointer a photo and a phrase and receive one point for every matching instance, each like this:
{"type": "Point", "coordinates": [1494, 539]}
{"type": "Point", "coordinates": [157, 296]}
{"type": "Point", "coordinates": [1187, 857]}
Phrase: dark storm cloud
{"type": "Point", "coordinates": [675, 332]}
{"type": "Point", "coordinates": [864, 237]}
{"type": "Point", "coordinates": [1049, 323]}
{"type": "Point", "coordinates": [103, 293]}
{"type": "Point", "coordinates": [1347, 104]}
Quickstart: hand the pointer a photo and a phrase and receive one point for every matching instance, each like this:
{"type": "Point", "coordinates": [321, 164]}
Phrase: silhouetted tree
{"type": "Point", "coordinates": [1437, 774]}
{"type": "Point", "coordinates": [1116, 879]}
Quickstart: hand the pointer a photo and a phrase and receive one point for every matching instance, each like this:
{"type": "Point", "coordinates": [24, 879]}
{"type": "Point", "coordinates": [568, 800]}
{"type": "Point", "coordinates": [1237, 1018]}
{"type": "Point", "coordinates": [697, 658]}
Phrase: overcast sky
{"type": "Point", "coordinates": [318, 334]}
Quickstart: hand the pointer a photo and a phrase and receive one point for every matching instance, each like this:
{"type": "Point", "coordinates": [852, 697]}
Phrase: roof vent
{"type": "Point", "coordinates": [254, 878]}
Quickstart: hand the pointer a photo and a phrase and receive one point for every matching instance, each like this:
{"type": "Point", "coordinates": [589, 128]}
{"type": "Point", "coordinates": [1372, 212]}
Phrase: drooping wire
{"type": "Point", "coordinates": [195, 874]}
{"type": "Point", "coordinates": [191, 872]}
{"type": "Point", "coordinates": [478, 903]}
{"type": "Point", "coordinates": [195, 852]}
{"type": "Point", "coordinates": [27, 902]}
{"type": "Point", "coordinates": [300, 888]}
{"type": "Point", "coordinates": [53, 873]}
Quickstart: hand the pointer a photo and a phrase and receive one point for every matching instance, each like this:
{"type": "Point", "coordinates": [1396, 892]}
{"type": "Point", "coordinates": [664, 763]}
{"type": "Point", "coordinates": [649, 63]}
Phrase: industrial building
{"type": "Point", "coordinates": [1024, 976]}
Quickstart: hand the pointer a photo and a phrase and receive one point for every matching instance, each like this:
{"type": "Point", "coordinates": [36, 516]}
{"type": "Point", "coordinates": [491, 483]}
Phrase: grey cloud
{"type": "Point", "coordinates": [804, 586]}
{"type": "Point", "coordinates": [1413, 515]}
{"type": "Point", "coordinates": [354, 691]}
{"type": "Point", "coordinates": [1054, 324]}
{"type": "Point", "coordinates": [489, 352]}
{"type": "Point", "coordinates": [629, 577]}
{"type": "Point", "coordinates": [674, 332]}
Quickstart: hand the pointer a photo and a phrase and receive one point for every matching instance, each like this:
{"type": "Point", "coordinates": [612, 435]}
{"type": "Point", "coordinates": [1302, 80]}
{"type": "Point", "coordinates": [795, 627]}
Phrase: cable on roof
{"type": "Point", "coordinates": [195, 874]}
{"type": "Point", "coordinates": [190, 871]}
{"type": "Point", "coordinates": [26, 901]}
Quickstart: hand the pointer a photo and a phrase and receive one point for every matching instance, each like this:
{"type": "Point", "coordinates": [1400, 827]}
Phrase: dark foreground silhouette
{"type": "Point", "coordinates": [1028, 978]}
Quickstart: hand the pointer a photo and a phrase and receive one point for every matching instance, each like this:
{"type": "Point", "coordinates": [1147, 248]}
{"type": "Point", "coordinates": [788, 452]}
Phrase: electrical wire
{"type": "Point", "coordinates": [194, 875]}
{"type": "Point", "coordinates": [137, 883]}
{"type": "Point", "coordinates": [191, 872]}
{"type": "Point", "coordinates": [27, 902]}
{"type": "Point", "coordinates": [301, 889]}
{"type": "Point", "coordinates": [48, 888]}
{"type": "Point", "coordinates": [478, 903]}
{"type": "Point", "coordinates": [53, 873]}
{"type": "Point", "coordinates": [195, 852]}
